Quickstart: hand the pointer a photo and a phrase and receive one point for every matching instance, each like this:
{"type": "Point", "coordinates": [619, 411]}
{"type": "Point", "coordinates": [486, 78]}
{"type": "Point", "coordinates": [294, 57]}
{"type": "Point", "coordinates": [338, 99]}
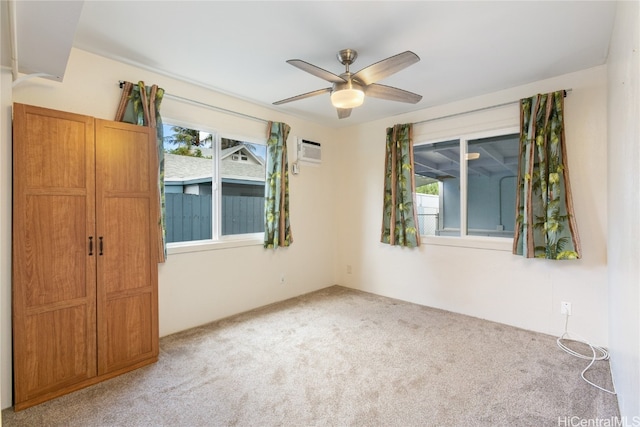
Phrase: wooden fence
{"type": "Point", "coordinates": [242, 214]}
{"type": "Point", "coordinates": [188, 216]}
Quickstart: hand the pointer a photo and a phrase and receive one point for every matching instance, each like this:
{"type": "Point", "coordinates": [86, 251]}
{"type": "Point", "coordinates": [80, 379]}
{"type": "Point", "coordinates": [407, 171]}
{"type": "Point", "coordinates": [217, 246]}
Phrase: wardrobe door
{"type": "Point", "coordinates": [127, 221]}
{"type": "Point", "coordinates": [54, 299]}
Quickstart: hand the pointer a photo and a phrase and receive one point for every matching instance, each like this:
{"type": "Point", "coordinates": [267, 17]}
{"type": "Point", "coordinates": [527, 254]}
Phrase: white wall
{"type": "Point", "coordinates": [201, 286]}
{"type": "Point", "coordinates": [5, 235]}
{"type": "Point", "coordinates": [489, 284]}
{"type": "Point", "coordinates": [624, 208]}
{"type": "Point", "coordinates": [5, 212]}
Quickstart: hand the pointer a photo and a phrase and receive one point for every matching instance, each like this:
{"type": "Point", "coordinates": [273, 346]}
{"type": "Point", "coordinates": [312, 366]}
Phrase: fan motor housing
{"type": "Point", "coordinates": [347, 56]}
{"type": "Point", "coordinates": [348, 84]}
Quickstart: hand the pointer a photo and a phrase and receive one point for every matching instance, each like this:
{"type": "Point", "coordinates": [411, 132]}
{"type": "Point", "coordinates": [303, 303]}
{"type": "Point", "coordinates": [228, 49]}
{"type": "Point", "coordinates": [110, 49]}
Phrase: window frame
{"type": "Point", "coordinates": [217, 241]}
{"type": "Point", "coordinates": [464, 239]}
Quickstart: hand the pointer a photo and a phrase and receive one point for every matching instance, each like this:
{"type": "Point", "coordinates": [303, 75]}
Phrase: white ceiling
{"type": "Point", "coordinates": [467, 48]}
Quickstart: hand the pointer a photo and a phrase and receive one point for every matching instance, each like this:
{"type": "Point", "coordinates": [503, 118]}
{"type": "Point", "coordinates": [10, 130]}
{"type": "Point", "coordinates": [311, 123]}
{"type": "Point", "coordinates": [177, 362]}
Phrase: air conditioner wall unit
{"type": "Point", "coordinates": [309, 151]}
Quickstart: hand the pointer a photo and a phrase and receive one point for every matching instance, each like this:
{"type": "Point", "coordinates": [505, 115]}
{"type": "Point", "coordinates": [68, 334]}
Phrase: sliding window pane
{"type": "Point", "coordinates": [492, 169]}
{"type": "Point", "coordinates": [188, 171]}
{"type": "Point", "coordinates": [437, 173]}
{"type": "Point", "coordinates": [242, 172]}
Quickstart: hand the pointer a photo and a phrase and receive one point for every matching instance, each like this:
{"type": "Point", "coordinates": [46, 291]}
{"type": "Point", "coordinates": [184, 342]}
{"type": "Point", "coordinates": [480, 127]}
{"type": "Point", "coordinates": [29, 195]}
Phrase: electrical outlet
{"type": "Point", "coordinates": [282, 279]}
{"type": "Point", "coordinates": [565, 308]}
{"type": "Point", "coordinates": [348, 269]}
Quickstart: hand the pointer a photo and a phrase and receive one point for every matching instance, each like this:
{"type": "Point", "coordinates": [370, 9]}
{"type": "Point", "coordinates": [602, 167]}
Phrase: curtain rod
{"type": "Point", "coordinates": [247, 116]}
{"type": "Point", "coordinates": [203, 104]}
{"type": "Point", "coordinates": [491, 107]}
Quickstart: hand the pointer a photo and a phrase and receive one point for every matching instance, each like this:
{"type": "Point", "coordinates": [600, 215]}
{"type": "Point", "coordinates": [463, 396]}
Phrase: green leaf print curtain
{"type": "Point", "coordinates": [545, 221]}
{"type": "Point", "coordinates": [399, 223]}
{"type": "Point", "coordinates": [140, 105]}
{"type": "Point", "coordinates": [277, 231]}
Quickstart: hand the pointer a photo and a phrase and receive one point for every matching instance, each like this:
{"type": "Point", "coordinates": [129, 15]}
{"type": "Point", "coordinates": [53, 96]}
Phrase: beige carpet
{"type": "Point", "coordinates": [340, 357]}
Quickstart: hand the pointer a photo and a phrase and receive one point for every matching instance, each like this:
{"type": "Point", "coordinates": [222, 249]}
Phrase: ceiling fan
{"type": "Point", "coordinates": [348, 89]}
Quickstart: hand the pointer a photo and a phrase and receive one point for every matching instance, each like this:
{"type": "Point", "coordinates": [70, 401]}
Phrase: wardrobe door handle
{"type": "Point", "coordinates": [101, 246]}
{"type": "Point", "coordinates": [90, 245]}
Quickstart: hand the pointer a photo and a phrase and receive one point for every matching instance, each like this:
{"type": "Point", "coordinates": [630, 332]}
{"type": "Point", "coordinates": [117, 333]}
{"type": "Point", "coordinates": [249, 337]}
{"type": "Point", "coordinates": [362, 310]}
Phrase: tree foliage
{"type": "Point", "coordinates": [228, 143]}
{"type": "Point", "coordinates": [186, 139]}
{"type": "Point", "coordinates": [431, 188]}
{"type": "Point", "coordinates": [186, 151]}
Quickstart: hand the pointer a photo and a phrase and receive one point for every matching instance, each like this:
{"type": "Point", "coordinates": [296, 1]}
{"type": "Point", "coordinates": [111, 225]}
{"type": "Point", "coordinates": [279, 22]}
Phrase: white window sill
{"type": "Point", "coordinates": [475, 242]}
{"type": "Point", "coordinates": [227, 242]}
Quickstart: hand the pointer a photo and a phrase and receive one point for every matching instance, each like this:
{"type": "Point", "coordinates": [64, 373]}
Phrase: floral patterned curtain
{"type": "Point", "coordinates": [399, 223]}
{"type": "Point", "coordinates": [545, 221]}
{"type": "Point", "coordinates": [140, 105]}
{"type": "Point", "coordinates": [277, 231]}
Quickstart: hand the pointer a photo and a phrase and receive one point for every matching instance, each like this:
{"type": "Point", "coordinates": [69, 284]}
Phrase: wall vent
{"type": "Point", "coordinates": [309, 151]}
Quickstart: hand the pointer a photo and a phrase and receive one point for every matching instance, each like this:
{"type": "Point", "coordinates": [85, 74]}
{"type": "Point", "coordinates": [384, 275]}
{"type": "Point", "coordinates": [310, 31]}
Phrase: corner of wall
{"type": "Point", "coordinates": [6, 384]}
{"type": "Point", "coordinates": [623, 248]}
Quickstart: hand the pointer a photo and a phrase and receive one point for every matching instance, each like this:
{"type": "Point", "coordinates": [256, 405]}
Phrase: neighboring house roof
{"type": "Point", "coordinates": [251, 170]}
{"type": "Point", "coordinates": [229, 151]}
{"type": "Point", "coordinates": [191, 170]}
{"type": "Point", "coordinates": [186, 169]}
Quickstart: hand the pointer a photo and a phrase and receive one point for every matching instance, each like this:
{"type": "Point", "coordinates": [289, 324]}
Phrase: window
{"type": "Point", "coordinates": [240, 157]}
{"type": "Point", "coordinates": [466, 186]}
{"type": "Point", "coordinates": [214, 186]}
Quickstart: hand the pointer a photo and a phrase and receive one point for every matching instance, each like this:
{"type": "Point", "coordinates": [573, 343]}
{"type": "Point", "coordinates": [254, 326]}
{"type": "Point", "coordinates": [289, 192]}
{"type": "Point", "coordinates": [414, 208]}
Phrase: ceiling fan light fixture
{"type": "Point", "coordinates": [347, 98]}
{"type": "Point", "coordinates": [348, 89]}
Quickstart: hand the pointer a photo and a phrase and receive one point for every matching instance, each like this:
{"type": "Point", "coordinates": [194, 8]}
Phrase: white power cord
{"type": "Point", "coordinates": [604, 354]}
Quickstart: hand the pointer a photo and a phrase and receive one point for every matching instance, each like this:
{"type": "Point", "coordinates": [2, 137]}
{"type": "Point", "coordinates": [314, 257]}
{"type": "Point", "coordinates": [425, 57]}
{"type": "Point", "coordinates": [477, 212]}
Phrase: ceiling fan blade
{"type": "Point", "coordinates": [303, 96]}
{"type": "Point", "coordinates": [316, 71]}
{"type": "Point", "coordinates": [386, 67]}
{"type": "Point", "coordinates": [343, 113]}
{"type": "Point", "coordinates": [392, 94]}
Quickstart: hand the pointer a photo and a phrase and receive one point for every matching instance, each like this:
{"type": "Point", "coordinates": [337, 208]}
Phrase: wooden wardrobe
{"type": "Point", "coordinates": [85, 295]}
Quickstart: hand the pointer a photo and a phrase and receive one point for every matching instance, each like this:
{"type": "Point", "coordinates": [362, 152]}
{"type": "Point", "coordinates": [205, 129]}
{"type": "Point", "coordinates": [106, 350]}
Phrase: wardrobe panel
{"type": "Point", "coordinates": [55, 153]}
{"type": "Point", "coordinates": [123, 158]}
{"type": "Point", "coordinates": [124, 263]}
{"type": "Point", "coordinates": [55, 249]}
{"type": "Point", "coordinates": [53, 274]}
{"type": "Point", "coordinates": [126, 214]}
{"type": "Point", "coordinates": [61, 350]}
{"type": "Point", "coordinates": [129, 336]}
